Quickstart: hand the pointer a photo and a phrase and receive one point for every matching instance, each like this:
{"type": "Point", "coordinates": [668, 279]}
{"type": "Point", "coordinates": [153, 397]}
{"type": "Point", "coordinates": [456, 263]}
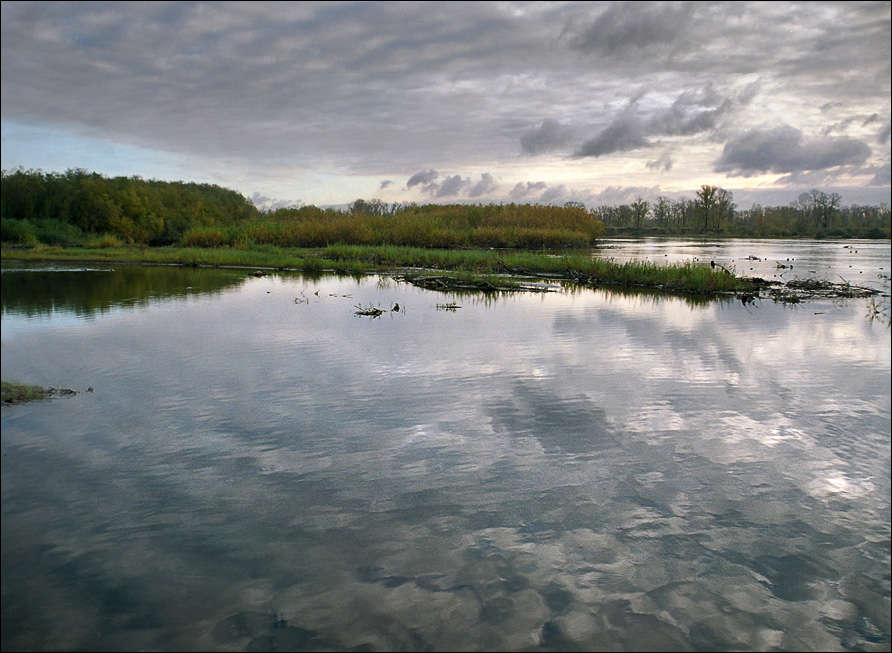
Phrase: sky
{"type": "Point", "coordinates": [323, 103]}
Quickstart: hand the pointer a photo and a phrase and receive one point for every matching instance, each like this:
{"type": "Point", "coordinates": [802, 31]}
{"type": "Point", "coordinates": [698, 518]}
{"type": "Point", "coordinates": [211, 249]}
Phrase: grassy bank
{"type": "Point", "coordinates": [363, 259]}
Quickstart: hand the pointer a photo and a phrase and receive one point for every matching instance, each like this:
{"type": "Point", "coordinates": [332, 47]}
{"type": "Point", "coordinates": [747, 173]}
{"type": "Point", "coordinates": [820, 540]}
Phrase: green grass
{"type": "Point", "coordinates": [362, 259]}
{"type": "Point", "coordinates": [16, 393]}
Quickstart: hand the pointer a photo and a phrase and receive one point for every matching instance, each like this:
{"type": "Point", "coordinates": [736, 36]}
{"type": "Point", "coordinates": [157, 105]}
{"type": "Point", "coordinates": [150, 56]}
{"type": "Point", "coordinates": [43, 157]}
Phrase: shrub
{"type": "Point", "coordinates": [17, 232]}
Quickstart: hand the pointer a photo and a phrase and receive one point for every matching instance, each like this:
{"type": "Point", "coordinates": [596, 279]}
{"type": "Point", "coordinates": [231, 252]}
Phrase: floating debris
{"type": "Point", "coordinates": [792, 292]}
{"type": "Point", "coordinates": [370, 311]}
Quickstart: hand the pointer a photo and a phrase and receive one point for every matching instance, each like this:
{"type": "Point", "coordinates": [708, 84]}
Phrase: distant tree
{"type": "Point", "coordinates": [661, 211]}
{"type": "Point", "coordinates": [724, 208]}
{"type": "Point", "coordinates": [705, 202]}
{"type": "Point", "coordinates": [639, 210]}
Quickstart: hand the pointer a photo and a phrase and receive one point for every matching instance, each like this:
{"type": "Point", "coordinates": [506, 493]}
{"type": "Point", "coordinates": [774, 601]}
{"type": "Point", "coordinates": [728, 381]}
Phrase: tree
{"type": "Point", "coordinates": [818, 208]}
{"type": "Point", "coordinates": [639, 210]}
{"type": "Point", "coordinates": [706, 200]}
{"type": "Point", "coordinates": [724, 208]}
{"type": "Point", "coordinates": [660, 211]}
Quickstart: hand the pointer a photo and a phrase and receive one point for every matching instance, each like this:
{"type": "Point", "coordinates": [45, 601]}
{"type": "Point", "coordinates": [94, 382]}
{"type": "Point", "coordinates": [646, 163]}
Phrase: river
{"type": "Point", "coordinates": [247, 464]}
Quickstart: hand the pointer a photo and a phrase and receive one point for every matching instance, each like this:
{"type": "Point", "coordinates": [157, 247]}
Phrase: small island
{"type": "Point", "coordinates": [14, 392]}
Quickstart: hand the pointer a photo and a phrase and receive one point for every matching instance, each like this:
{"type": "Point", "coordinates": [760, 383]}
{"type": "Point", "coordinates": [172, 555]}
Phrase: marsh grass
{"type": "Point", "coordinates": [363, 259]}
{"type": "Point", "coordinates": [447, 226]}
{"type": "Point", "coordinates": [13, 392]}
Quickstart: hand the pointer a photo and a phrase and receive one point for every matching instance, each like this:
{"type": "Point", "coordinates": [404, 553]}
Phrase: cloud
{"type": "Point", "coordinates": [424, 178]}
{"type": "Point", "coordinates": [386, 183]}
{"type": "Point", "coordinates": [486, 186]}
{"type": "Point", "coordinates": [555, 195]}
{"type": "Point", "coordinates": [785, 150]}
{"type": "Point", "coordinates": [311, 99]}
{"type": "Point", "coordinates": [625, 28]}
{"type": "Point", "coordinates": [267, 203]}
{"type": "Point", "coordinates": [617, 195]}
{"type": "Point", "coordinates": [694, 111]}
{"type": "Point", "coordinates": [663, 164]}
{"type": "Point", "coordinates": [526, 190]}
{"type": "Point", "coordinates": [883, 177]}
{"type": "Point", "coordinates": [541, 192]}
{"type": "Point", "coordinates": [547, 137]}
{"type": "Point", "coordinates": [453, 186]}
{"type": "Point", "coordinates": [626, 132]}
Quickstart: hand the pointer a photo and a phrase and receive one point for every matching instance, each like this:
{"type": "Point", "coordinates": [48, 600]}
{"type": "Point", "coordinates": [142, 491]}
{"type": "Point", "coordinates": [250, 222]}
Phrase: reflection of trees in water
{"type": "Point", "coordinates": [86, 292]}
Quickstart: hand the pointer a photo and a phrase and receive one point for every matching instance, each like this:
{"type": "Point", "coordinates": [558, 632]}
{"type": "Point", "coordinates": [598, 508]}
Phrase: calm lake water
{"type": "Point", "coordinates": [258, 468]}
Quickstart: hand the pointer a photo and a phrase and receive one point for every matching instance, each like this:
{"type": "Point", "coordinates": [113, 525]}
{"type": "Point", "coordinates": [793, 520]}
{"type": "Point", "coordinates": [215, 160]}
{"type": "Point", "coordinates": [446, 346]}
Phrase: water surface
{"type": "Point", "coordinates": [258, 468]}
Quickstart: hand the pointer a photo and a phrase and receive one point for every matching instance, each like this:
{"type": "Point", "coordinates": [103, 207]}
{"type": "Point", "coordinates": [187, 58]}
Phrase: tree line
{"type": "Point", "coordinates": [56, 208]}
{"type": "Point", "coordinates": [83, 208]}
{"type": "Point", "coordinates": [712, 210]}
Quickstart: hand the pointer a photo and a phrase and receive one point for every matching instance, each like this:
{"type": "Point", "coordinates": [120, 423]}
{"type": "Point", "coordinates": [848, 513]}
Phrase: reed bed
{"type": "Point", "coordinates": [427, 226]}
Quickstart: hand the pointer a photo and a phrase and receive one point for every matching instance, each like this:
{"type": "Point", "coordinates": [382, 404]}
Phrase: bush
{"type": "Point", "coordinates": [56, 232]}
{"type": "Point", "coordinates": [17, 232]}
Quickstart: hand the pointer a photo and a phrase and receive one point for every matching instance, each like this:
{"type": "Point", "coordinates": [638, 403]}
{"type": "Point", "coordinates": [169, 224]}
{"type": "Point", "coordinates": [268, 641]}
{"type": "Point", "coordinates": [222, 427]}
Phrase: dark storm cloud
{"type": "Point", "coordinates": [785, 150]}
{"type": "Point", "coordinates": [386, 183]}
